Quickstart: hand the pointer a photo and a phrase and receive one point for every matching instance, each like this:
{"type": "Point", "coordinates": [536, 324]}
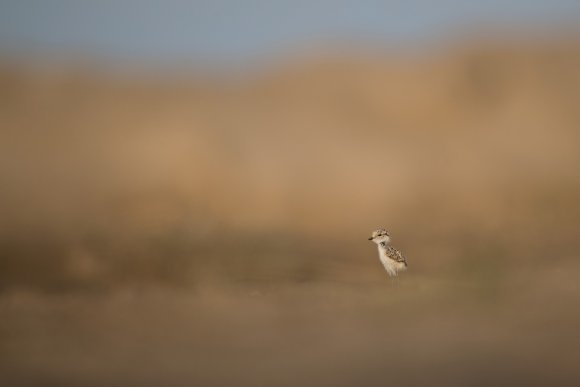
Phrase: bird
{"type": "Point", "coordinates": [391, 258]}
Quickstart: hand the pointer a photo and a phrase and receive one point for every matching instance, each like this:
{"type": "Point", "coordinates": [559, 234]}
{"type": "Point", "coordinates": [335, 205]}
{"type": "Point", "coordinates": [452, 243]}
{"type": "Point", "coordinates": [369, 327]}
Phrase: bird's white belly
{"type": "Point", "coordinates": [390, 265]}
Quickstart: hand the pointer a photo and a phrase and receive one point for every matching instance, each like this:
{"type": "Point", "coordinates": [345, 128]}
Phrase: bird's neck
{"type": "Point", "coordinates": [382, 245]}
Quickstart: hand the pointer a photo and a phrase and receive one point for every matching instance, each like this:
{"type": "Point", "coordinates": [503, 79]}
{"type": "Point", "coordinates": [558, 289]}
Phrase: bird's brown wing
{"type": "Point", "coordinates": [396, 255]}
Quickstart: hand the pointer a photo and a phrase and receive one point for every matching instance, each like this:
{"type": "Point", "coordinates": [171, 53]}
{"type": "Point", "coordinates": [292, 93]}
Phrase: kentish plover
{"type": "Point", "coordinates": [391, 258]}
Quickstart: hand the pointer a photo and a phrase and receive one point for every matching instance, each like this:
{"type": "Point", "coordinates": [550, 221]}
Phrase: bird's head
{"type": "Point", "coordinates": [380, 235]}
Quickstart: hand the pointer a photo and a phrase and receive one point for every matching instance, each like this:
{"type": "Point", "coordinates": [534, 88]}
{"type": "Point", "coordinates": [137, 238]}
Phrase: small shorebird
{"type": "Point", "coordinates": [391, 258]}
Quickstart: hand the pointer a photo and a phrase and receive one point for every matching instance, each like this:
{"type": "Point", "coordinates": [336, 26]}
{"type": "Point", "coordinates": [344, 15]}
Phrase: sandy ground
{"type": "Point", "coordinates": [419, 330]}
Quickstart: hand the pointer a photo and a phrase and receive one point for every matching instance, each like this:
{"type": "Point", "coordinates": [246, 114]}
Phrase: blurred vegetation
{"type": "Point", "coordinates": [109, 179]}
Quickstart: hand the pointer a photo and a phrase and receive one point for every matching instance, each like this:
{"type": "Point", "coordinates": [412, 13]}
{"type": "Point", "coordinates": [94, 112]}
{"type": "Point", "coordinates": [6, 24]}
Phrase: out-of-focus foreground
{"type": "Point", "coordinates": [210, 231]}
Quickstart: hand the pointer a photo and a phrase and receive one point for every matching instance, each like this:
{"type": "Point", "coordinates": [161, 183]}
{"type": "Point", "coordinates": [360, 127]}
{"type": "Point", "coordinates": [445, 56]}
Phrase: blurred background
{"type": "Point", "coordinates": [187, 188]}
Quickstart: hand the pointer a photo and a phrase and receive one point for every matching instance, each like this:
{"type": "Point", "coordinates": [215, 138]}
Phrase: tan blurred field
{"type": "Point", "coordinates": [199, 229]}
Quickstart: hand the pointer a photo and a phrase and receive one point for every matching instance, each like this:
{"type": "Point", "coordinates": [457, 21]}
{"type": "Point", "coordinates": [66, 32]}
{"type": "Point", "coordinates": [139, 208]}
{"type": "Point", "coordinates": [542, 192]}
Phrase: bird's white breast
{"type": "Point", "coordinates": [391, 266]}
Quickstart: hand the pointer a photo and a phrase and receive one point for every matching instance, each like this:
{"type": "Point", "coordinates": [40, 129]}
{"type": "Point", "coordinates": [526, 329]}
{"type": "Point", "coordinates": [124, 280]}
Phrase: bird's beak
{"type": "Point", "coordinates": [370, 238]}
